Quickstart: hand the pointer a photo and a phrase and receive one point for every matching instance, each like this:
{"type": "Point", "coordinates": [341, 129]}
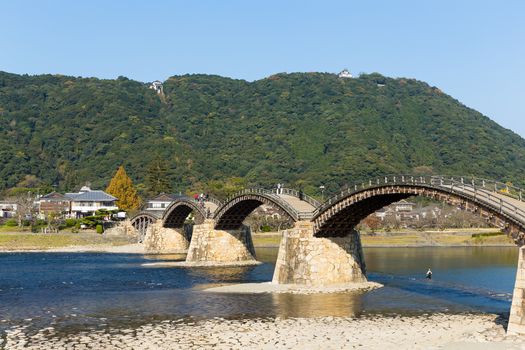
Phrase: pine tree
{"type": "Point", "coordinates": [122, 187]}
{"type": "Point", "coordinates": [157, 177]}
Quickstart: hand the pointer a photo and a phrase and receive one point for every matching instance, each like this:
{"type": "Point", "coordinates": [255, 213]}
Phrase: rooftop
{"type": "Point", "coordinates": [54, 196]}
{"type": "Point", "coordinates": [91, 196]}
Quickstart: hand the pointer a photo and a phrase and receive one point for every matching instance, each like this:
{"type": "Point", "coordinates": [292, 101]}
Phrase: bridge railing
{"type": "Point", "coordinates": [506, 189]}
{"type": "Point", "coordinates": [274, 195]}
{"type": "Point", "coordinates": [498, 200]}
{"type": "Point", "coordinates": [492, 193]}
{"type": "Point", "coordinates": [308, 199]}
{"type": "Point", "coordinates": [213, 200]}
{"type": "Point", "coordinates": [372, 183]}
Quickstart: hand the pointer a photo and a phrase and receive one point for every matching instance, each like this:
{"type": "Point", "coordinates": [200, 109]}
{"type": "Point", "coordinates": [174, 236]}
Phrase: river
{"type": "Point", "coordinates": [72, 291]}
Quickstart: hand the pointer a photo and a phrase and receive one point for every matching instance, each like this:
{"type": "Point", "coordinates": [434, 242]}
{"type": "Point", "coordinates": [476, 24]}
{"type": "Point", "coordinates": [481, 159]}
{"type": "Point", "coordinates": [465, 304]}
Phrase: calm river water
{"type": "Point", "coordinates": [98, 290]}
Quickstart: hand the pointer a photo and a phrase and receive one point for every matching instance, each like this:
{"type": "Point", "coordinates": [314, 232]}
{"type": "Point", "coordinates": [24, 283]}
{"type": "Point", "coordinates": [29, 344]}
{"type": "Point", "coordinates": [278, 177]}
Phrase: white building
{"type": "Point", "coordinates": [7, 209]}
{"type": "Point", "coordinates": [88, 201]}
{"type": "Point", "coordinates": [345, 73]}
{"type": "Point", "coordinates": [161, 202]}
{"type": "Point", "coordinates": [404, 205]}
{"type": "Point", "coordinates": [157, 86]}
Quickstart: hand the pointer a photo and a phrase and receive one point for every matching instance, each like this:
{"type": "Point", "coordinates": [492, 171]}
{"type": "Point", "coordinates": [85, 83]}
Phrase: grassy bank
{"type": "Point", "coordinates": [467, 237]}
{"type": "Point", "coordinates": [39, 241]}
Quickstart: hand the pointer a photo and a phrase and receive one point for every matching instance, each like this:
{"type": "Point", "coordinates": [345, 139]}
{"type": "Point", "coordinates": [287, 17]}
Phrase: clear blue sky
{"type": "Point", "coordinates": [472, 50]}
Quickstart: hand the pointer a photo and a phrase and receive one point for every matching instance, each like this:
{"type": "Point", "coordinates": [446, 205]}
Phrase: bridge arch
{"type": "Point", "coordinates": [141, 221]}
{"type": "Point", "coordinates": [339, 215]}
{"type": "Point", "coordinates": [236, 209]}
{"type": "Point", "coordinates": [177, 212]}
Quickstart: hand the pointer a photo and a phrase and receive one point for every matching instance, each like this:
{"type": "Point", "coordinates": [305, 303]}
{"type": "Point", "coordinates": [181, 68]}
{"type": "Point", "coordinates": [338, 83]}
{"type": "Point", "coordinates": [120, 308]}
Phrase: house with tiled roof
{"type": "Point", "coordinates": [87, 201]}
{"type": "Point", "coordinates": [53, 202]}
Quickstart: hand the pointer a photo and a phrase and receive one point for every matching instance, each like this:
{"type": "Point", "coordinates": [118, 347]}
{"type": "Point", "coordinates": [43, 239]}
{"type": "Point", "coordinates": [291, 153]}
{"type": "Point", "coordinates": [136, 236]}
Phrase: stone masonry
{"type": "Point", "coordinates": [517, 309]}
{"type": "Point", "coordinates": [123, 229]}
{"type": "Point", "coordinates": [163, 240]}
{"type": "Point", "coordinates": [308, 260]}
{"type": "Point", "coordinates": [211, 245]}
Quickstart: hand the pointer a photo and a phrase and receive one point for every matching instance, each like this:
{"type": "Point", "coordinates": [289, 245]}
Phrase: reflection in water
{"type": "Point", "coordinates": [165, 257]}
{"type": "Point", "coordinates": [317, 305]}
{"type": "Point", "coordinates": [222, 274]}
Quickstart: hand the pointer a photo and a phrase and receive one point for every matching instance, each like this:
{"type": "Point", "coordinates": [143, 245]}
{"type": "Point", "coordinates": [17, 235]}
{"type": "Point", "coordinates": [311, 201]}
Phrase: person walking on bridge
{"type": "Point", "coordinates": [301, 194]}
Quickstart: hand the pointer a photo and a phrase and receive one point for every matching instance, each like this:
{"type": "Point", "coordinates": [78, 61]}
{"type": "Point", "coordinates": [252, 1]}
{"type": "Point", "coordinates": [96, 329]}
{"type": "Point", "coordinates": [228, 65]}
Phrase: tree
{"type": "Point", "coordinates": [122, 187]}
{"type": "Point", "coordinates": [371, 222]}
{"type": "Point", "coordinates": [157, 177]}
{"type": "Point", "coordinates": [25, 204]}
{"type": "Point", "coordinates": [225, 188]}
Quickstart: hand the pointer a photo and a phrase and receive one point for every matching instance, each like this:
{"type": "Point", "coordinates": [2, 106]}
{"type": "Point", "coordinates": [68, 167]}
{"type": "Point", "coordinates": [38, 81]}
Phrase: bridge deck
{"type": "Point", "coordinates": [300, 206]}
{"type": "Point", "coordinates": [211, 206]}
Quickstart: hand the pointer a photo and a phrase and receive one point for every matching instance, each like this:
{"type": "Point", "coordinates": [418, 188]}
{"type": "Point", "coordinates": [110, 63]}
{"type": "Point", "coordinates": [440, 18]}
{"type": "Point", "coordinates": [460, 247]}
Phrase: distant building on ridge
{"type": "Point", "coordinates": [157, 86]}
{"type": "Point", "coordinates": [345, 73]}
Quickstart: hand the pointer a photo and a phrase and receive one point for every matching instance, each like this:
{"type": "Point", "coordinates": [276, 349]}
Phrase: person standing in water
{"type": "Point", "coordinates": [429, 274]}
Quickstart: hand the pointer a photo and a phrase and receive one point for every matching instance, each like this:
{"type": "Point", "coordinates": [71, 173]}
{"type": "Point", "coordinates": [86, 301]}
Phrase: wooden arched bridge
{"type": "Point", "coordinates": [501, 204]}
{"type": "Point", "coordinates": [323, 247]}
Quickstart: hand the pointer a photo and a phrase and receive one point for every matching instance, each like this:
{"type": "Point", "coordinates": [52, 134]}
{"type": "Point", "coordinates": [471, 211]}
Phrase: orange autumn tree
{"type": "Point", "coordinates": [122, 187]}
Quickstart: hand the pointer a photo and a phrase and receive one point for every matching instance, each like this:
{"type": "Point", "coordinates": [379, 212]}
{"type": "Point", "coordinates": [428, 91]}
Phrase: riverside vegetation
{"type": "Point", "coordinates": [220, 134]}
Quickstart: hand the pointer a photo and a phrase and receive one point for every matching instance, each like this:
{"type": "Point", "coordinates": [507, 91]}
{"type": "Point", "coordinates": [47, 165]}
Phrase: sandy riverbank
{"type": "Point", "coordinates": [66, 242]}
{"type": "Point", "coordinates": [202, 263]}
{"type": "Point", "coordinates": [439, 331]}
{"type": "Point", "coordinates": [135, 248]}
{"type": "Point", "coordinates": [269, 287]}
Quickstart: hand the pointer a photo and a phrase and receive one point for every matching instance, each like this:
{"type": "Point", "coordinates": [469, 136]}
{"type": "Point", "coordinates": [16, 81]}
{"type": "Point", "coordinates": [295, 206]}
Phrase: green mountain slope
{"type": "Point", "coordinates": [303, 129]}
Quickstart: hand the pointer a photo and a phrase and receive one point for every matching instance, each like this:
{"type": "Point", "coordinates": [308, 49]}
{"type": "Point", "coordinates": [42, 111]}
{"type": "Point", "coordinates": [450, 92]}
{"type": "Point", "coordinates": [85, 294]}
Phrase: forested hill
{"type": "Point", "coordinates": [301, 129]}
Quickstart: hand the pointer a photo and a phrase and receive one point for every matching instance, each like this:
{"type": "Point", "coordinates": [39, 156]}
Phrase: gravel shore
{"type": "Point", "coordinates": [133, 248]}
{"type": "Point", "coordinates": [438, 331]}
{"type": "Point", "coordinates": [269, 287]}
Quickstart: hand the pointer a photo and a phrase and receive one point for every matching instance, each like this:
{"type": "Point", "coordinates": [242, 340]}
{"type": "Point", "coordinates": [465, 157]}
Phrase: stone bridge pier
{"type": "Point", "coordinates": [318, 261]}
{"type": "Point", "coordinates": [517, 310]}
{"type": "Point", "coordinates": [214, 246]}
{"type": "Point", "coordinates": [165, 240]}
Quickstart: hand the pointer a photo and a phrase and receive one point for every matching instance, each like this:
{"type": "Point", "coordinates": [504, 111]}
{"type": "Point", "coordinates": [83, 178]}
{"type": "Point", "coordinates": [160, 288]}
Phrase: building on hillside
{"type": "Point", "coordinates": [385, 212]}
{"type": "Point", "coordinates": [268, 211]}
{"type": "Point", "coordinates": [161, 202]}
{"type": "Point", "coordinates": [404, 206]}
{"type": "Point", "coordinates": [53, 202]}
{"type": "Point", "coordinates": [157, 86]}
{"type": "Point", "coordinates": [345, 73]}
{"type": "Point", "coordinates": [407, 213]}
{"type": "Point", "coordinates": [398, 210]}
{"type": "Point", "coordinates": [87, 201]}
{"type": "Point", "coordinates": [7, 209]}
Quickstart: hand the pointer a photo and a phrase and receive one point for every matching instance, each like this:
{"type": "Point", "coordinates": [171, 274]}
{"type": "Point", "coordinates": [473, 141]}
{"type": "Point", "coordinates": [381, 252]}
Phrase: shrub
{"type": "Point", "coordinates": [266, 228]}
{"type": "Point", "coordinates": [71, 222]}
{"type": "Point", "coordinates": [11, 223]}
{"type": "Point", "coordinates": [89, 221]}
{"type": "Point", "coordinates": [487, 234]}
{"type": "Point", "coordinates": [100, 229]}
